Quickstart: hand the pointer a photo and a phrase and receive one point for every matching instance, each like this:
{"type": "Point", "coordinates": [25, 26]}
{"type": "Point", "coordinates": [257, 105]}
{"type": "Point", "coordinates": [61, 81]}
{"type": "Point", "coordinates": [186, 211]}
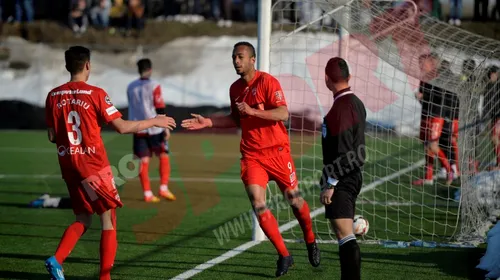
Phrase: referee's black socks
{"type": "Point", "coordinates": [350, 258]}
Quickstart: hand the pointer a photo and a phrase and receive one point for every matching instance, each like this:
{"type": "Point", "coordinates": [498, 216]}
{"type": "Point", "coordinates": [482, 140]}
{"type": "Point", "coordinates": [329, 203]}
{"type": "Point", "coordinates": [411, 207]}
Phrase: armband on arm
{"type": "Point", "coordinates": [160, 111]}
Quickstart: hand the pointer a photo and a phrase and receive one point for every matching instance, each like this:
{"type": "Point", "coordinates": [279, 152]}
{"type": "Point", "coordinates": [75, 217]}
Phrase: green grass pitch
{"type": "Point", "coordinates": [211, 217]}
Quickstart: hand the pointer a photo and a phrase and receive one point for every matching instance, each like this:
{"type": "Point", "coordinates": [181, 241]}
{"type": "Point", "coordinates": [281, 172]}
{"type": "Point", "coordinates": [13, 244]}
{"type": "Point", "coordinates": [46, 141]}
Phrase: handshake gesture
{"type": "Point", "coordinates": [165, 122]}
{"type": "Point", "coordinates": [197, 122]}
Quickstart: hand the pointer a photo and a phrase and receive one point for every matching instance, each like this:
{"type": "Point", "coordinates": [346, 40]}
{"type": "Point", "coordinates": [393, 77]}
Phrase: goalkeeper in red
{"type": "Point", "coordinates": [259, 108]}
{"type": "Point", "coordinates": [74, 114]}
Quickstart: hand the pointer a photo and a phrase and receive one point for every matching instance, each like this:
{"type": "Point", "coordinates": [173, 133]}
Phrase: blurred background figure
{"type": "Point", "coordinates": [455, 12]}
{"type": "Point", "coordinates": [309, 11]}
{"type": "Point", "coordinates": [135, 18]}
{"type": "Point", "coordinates": [222, 12]}
{"type": "Point", "coordinates": [99, 13]}
{"type": "Point", "coordinates": [24, 11]}
{"type": "Point", "coordinates": [78, 17]}
{"type": "Point", "coordinates": [481, 10]}
{"type": "Point", "coordinates": [495, 11]}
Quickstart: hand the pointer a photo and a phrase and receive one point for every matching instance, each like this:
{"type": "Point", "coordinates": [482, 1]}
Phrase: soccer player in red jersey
{"type": "Point", "coordinates": [432, 119]}
{"type": "Point", "coordinates": [145, 102]}
{"type": "Point", "coordinates": [259, 108]}
{"type": "Point", "coordinates": [74, 113]}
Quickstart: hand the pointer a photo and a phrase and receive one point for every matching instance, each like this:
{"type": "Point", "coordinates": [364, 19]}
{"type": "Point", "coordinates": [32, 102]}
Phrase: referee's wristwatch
{"type": "Point", "coordinates": [331, 183]}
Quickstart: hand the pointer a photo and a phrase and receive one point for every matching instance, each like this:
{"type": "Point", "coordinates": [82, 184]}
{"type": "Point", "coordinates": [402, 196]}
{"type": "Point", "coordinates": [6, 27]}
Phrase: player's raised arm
{"type": "Point", "coordinates": [125, 127]}
{"type": "Point", "coordinates": [110, 115]}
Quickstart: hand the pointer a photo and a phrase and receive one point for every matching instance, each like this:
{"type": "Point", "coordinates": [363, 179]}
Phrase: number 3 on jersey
{"type": "Point", "coordinates": [74, 121]}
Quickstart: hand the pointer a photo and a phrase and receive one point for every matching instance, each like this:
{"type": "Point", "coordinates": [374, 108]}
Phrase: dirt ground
{"type": "Point", "coordinates": [154, 35]}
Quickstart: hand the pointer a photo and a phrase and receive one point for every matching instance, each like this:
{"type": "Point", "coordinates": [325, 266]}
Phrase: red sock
{"type": "Point", "coordinates": [108, 253]}
{"type": "Point", "coordinates": [444, 160]}
{"type": "Point", "coordinates": [429, 167]}
{"type": "Point", "coordinates": [454, 144]}
{"type": "Point", "coordinates": [69, 240]}
{"type": "Point", "coordinates": [108, 247]}
{"type": "Point", "coordinates": [164, 169]}
{"type": "Point", "coordinates": [269, 226]}
{"type": "Point", "coordinates": [304, 217]}
{"type": "Point", "coordinates": [144, 176]}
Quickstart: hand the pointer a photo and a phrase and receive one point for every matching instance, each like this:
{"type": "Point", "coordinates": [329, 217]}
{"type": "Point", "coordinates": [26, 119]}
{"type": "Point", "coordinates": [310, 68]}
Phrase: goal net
{"type": "Point", "coordinates": [383, 43]}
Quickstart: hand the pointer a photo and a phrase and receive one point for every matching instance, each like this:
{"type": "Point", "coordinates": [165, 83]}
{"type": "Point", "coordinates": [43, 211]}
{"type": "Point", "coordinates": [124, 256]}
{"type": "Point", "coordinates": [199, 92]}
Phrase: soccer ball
{"type": "Point", "coordinates": [360, 225]}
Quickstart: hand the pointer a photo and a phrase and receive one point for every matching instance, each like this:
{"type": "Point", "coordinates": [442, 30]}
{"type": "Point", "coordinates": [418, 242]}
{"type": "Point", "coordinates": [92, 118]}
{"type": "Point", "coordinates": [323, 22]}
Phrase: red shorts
{"type": "Point", "coordinates": [94, 195]}
{"type": "Point", "coordinates": [495, 130]}
{"type": "Point", "coordinates": [280, 169]}
{"type": "Point", "coordinates": [431, 129]}
{"type": "Point", "coordinates": [455, 128]}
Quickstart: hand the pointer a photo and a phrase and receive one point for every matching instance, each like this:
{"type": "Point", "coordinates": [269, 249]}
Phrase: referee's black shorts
{"type": "Point", "coordinates": [344, 197]}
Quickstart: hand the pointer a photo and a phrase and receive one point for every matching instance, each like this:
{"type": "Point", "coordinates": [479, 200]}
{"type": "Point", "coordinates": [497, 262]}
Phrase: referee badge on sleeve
{"type": "Point", "coordinates": [323, 130]}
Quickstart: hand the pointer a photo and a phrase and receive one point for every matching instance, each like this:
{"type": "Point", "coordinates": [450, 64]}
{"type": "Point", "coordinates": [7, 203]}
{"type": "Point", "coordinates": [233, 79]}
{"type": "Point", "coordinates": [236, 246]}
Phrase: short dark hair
{"type": "Point", "coordinates": [337, 70]}
{"type": "Point", "coordinates": [248, 45]}
{"type": "Point", "coordinates": [76, 57]}
{"type": "Point", "coordinates": [144, 65]}
{"type": "Point", "coordinates": [492, 69]}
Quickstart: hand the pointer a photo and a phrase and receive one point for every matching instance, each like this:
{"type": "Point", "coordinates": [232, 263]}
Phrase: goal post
{"type": "Point", "coordinates": [383, 43]}
{"type": "Point", "coordinates": [264, 43]}
{"type": "Point", "coordinates": [264, 27]}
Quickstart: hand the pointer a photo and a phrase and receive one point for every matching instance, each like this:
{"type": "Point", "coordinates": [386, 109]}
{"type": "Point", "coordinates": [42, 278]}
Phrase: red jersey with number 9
{"type": "Point", "coordinates": [260, 138]}
{"type": "Point", "coordinates": [76, 111]}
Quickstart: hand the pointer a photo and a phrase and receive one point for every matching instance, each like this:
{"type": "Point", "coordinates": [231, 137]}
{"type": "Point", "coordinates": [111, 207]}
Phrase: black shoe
{"type": "Point", "coordinates": [283, 264]}
{"type": "Point", "coordinates": [314, 254]}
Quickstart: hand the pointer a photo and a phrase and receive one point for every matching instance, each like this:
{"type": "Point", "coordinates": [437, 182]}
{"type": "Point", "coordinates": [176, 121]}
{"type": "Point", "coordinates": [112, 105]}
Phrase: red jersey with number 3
{"type": "Point", "coordinates": [75, 111]}
{"type": "Point", "coordinates": [259, 138]}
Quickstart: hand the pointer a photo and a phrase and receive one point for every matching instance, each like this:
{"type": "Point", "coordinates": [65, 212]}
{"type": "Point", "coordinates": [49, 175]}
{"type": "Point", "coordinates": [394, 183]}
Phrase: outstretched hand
{"type": "Point", "coordinates": [165, 122]}
{"type": "Point", "coordinates": [197, 122]}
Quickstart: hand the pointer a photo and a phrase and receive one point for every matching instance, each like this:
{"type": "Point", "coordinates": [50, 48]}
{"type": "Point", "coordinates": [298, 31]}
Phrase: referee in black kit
{"type": "Point", "coordinates": [343, 143]}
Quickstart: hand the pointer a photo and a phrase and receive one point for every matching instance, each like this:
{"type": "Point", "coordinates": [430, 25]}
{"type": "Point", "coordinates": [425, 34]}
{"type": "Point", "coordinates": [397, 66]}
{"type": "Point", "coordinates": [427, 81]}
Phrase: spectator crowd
{"type": "Point", "coordinates": [127, 15]}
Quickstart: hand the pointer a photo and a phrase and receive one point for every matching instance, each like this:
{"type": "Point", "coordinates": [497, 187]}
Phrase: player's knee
{"type": "Point", "coordinates": [162, 154]}
{"type": "Point", "coordinates": [145, 159]}
{"type": "Point", "coordinates": [295, 199]}
{"type": "Point", "coordinates": [259, 207]}
{"type": "Point", "coordinates": [342, 227]}
{"type": "Point", "coordinates": [85, 219]}
{"type": "Point", "coordinates": [107, 220]}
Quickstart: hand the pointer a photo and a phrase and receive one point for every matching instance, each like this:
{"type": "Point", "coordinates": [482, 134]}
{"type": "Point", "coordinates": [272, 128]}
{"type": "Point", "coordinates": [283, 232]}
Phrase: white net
{"type": "Point", "coordinates": [384, 49]}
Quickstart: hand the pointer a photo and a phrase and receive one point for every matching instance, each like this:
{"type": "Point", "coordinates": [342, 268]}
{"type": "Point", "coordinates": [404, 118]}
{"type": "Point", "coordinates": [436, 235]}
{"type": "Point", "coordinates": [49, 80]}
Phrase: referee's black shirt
{"type": "Point", "coordinates": [343, 135]}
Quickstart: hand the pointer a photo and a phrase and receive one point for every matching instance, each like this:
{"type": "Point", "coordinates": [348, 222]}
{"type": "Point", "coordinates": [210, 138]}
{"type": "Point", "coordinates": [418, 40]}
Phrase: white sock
{"type": "Point", "coordinates": [51, 202]}
{"type": "Point", "coordinates": [454, 168]}
{"type": "Point", "coordinates": [163, 188]}
{"type": "Point", "coordinates": [148, 193]}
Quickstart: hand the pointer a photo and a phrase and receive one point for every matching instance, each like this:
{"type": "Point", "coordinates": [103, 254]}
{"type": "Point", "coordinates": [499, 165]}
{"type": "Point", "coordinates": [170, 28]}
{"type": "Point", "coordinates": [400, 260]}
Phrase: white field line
{"type": "Point", "coordinates": [242, 248]}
